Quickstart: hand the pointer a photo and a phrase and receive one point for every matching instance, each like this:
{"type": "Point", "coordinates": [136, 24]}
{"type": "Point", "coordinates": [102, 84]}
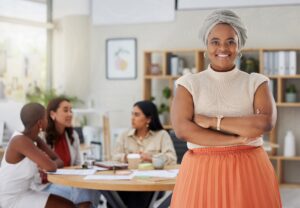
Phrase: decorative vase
{"type": "Point", "coordinates": [289, 144]}
{"type": "Point", "coordinates": [162, 118]}
{"type": "Point", "coordinates": [290, 97]}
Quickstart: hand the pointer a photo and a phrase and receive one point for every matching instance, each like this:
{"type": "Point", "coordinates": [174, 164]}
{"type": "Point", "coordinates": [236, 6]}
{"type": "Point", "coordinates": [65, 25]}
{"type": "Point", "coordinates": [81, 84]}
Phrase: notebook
{"type": "Point", "coordinates": [111, 165]}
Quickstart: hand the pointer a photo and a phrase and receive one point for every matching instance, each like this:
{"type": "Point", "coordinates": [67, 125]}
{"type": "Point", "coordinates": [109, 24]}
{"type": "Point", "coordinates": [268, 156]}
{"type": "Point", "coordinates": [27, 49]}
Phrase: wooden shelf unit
{"type": "Point", "coordinates": [279, 160]}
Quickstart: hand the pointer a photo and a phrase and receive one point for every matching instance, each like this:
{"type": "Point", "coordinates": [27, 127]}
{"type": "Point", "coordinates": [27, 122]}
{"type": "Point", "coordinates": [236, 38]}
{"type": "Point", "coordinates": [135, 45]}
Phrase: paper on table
{"type": "Point", "coordinates": [156, 173]}
{"type": "Point", "coordinates": [109, 177]}
{"type": "Point", "coordinates": [99, 168]}
{"type": "Point", "coordinates": [74, 172]}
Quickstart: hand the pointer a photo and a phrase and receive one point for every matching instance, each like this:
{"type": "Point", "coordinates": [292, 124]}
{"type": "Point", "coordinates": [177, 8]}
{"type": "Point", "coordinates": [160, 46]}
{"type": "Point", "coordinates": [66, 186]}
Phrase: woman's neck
{"type": "Point", "coordinates": [221, 70]}
{"type": "Point", "coordinates": [141, 133]}
{"type": "Point", "coordinates": [32, 134]}
{"type": "Point", "coordinates": [60, 129]}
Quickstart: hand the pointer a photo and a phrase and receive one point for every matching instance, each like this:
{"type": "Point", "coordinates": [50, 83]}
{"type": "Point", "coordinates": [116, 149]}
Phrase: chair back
{"type": "Point", "coordinates": [106, 138]}
{"type": "Point", "coordinates": [179, 145]}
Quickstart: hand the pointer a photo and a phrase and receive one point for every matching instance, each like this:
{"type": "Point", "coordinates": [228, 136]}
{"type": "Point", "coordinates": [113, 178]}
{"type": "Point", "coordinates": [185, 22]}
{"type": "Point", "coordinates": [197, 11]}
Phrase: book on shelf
{"type": "Point", "coordinates": [174, 65]}
{"type": "Point", "coordinates": [292, 62]}
{"type": "Point", "coordinates": [280, 62]}
{"type": "Point", "coordinates": [169, 56]}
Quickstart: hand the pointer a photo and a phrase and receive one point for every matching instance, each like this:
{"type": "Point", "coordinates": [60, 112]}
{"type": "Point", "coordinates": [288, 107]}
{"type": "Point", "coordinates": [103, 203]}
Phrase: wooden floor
{"type": "Point", "coordinates": [290, 197]}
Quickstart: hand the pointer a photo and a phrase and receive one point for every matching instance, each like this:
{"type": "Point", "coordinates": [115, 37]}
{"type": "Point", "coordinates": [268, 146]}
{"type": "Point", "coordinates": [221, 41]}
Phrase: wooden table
{"type": "Point", "coordinates": [150, 184]}
{"type": "Point", "coordinates": [113, 185]}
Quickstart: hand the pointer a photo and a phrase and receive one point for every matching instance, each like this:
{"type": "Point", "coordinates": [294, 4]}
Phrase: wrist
{"type": "Point", "coordinates": [213, 122]}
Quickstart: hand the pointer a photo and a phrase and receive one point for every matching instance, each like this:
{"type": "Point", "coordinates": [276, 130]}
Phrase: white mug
{"type": "Point", "coordinates": [158, 161]}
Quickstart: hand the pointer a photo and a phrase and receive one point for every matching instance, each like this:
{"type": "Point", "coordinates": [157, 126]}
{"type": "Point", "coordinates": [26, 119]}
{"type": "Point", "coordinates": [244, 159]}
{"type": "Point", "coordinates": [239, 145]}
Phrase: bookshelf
{"type": "Point", "coordinates": [262, 60]}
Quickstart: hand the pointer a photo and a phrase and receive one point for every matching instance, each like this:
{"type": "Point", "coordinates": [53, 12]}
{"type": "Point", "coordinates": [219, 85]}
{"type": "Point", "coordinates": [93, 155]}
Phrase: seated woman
{"type": "Point", "coordinates": [61, 137]}
{"type": "Point", "coordinates": [25, 154]}
{"type": "Point", "coordinates": [147, 137]}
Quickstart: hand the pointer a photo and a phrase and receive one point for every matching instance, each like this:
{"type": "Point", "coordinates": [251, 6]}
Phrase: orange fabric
{"type": "Point", "coordinates": [228, 177]}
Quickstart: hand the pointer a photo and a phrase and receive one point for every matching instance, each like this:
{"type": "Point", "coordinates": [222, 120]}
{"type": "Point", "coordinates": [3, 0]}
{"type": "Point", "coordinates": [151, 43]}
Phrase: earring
{"type": "Point", "coordinates": [204, 54]}
{"type": "Point", "coordinates": [40, 129]}
{"type": "Point", "coordinates": [240, 54]}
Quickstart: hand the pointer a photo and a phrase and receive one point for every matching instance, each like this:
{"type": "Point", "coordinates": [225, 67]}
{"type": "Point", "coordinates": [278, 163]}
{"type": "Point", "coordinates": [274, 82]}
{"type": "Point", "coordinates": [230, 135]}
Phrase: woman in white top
{"type": "Point", "coordinates": [222, 113]}
{"type": "Point", "coordinates": [25, 154]}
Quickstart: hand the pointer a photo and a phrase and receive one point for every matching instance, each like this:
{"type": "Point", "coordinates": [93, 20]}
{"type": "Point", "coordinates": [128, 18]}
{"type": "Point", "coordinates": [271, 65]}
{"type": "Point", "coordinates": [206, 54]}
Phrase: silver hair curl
{"type": "Point", "coordinates": [227, 17]}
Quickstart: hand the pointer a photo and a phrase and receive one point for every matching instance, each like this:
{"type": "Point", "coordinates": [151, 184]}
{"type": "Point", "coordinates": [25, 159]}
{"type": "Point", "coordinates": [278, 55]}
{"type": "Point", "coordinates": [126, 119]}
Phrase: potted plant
{"type": "Point", "coordinates": [44, 96]}
{"type": "Point", "coordinates": [164, 108]}
{"type": "Point", "coordinates": [291, 93]}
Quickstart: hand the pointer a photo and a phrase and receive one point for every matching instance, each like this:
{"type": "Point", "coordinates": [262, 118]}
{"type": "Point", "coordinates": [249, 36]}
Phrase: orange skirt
{"type": "Point", "coordinates": [227, 177]}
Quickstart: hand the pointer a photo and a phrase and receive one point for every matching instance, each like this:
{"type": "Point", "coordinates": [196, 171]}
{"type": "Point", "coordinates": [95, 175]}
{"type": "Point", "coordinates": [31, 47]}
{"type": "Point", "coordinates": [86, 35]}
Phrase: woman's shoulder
{"type": "Point", "coordinates": [161, 133]}
{"type": "Point", "coordinates": [190, 81]}
{"type": "Point", "coordinates": [193, 76]}
{"type": "Point", "coordinates": [126, 134]}
{"type": "Point", "coordinates": [76, 137]}
{"type": "Point", "coordinates": [255, 75]}
{"type": "Point", "coordinates": [17, 137]}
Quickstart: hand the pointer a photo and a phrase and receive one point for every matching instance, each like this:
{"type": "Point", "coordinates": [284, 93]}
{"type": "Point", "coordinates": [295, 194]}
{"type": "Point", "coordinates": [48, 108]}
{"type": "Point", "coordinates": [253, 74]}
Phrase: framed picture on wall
{"type": "Point", "coordinates": [121, 58]}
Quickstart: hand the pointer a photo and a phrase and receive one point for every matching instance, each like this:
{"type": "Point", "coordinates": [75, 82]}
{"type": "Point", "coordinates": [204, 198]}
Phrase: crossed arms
{"type": "Point", "coordinates": [199, 129]}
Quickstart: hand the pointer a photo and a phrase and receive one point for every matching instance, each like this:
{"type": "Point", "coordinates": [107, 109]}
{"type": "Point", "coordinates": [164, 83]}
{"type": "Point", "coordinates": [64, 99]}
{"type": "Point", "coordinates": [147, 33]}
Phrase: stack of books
{"type": "Point", "coordinates": [280, 62]}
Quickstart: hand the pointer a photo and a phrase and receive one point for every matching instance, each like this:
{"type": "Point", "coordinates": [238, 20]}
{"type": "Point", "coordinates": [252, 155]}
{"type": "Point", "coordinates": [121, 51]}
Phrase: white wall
{"type": "Point", "coordinates": [269, 27]}
{"type": "Point", "coordinates": [70, 7]}
{"type": "Point", "coordinates": [71, 55]}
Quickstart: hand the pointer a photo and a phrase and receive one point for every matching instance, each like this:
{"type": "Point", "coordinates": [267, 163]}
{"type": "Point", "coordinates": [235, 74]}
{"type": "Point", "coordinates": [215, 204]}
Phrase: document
{"type": "Point", "coordinates": [156, 173]}
{"type": "Point", "coordinates": [74, 172]}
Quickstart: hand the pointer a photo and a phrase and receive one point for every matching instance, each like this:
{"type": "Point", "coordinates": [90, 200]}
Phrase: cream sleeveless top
{"type": "Point", "coordinates": [223, 93]}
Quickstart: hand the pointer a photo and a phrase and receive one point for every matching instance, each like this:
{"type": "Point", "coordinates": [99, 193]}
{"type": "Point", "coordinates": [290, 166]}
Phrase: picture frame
{"type": "Point", "coordinates": [121, 58]}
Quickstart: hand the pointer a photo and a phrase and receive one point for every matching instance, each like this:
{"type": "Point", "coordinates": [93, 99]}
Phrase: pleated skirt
{"type": "Point", "coordinates": [227, 177]}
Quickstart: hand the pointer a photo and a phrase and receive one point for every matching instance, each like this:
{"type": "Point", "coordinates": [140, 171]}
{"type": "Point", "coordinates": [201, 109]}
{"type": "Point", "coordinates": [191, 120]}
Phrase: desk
{"type": "Point", "coordinates": [113, 185]}
{"type": "Point", "coordinates": [116, 185]}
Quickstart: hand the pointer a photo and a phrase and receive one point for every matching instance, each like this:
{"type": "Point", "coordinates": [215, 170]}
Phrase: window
{"type": "Point", "coordinates": [35, 10]}
{"type": "Point", "coordinates": [23, 47]}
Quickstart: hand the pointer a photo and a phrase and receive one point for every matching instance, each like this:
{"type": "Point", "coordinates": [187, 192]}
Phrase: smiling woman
{"type": "Point", "coordinates": [222, 47]}
{"type": "Point", "coordinates": [225, 113]}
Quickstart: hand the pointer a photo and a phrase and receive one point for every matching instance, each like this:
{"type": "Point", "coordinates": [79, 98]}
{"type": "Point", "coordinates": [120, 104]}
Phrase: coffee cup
{"type": "Point", "coordinates": [158, 161]}
{"type": "Point", "coordinates": [133, 161]}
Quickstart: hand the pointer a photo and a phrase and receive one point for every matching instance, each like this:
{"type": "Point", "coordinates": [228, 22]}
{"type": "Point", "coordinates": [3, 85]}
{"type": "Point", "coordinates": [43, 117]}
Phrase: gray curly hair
{"type": "Point", "coordinates": [227, 17]}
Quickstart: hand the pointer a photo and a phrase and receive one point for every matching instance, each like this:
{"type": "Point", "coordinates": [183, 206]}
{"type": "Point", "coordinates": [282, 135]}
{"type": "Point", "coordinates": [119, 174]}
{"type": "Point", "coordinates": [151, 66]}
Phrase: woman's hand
{"type": "Point", "coordinates": [243, 140]}
{"type": "Point", "coordinates": [43, 176]}
{"type": "Point", "coordinates": [204, 121]}
{"type": "Point", "coordinates": [145, 157]}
